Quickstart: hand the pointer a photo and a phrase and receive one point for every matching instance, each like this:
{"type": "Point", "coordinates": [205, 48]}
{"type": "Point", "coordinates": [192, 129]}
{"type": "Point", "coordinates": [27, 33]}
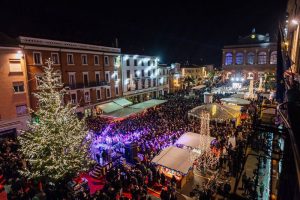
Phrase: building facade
{"type": "Point", "coordinates": [14, 102]}
{"type": "Point", "coordinates": [292, 37]}
{"type": "Point", "coordinates": [142, 78]}
{"type": "Point", "coordinates": [90, 73]}
{"type": "Point", "coordinates": [253, 57]}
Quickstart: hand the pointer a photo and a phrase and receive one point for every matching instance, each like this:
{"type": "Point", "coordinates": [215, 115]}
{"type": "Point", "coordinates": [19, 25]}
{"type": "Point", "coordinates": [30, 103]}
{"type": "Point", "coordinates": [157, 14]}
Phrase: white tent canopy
{"type": "Point", "coordinates": [174, 158]}
{"type": "Point", "coordinates": [199, 87]}
{"type": "Point", "coordinates": [235, 100]}
{"type": "Point", "coordinates": [192, 140]}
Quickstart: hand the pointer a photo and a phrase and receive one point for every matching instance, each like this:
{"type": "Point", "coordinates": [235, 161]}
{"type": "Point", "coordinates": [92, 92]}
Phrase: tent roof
{"type": "Point", "coordinates": [235, 100]}
{"type": "Point", "coordinates": [174, 158]}
{"type": "Point", "coordinates": [190, 139]}
{"type": "Point", "coordinates": [148, 104]}
{"type": "Point", "coordinates": [125, 112]}
{"type": "Point", "coordinates": [122, 102]}
{"type": "Point", "coordinates": [199, 87]}
{"type": "Point", "coordinates": [130, 110]}
{"type": "Point", "coordinates": [109, 107]}
{"type": "Point", "coordinates": [216, 111]}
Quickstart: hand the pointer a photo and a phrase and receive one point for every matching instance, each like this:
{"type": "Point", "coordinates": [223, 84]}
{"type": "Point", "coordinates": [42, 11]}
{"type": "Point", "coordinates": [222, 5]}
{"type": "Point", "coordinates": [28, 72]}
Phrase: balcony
{"type": "Point", "coordinates": [289, 184]}
{"type": "Point", "coordinates": [89, 85]}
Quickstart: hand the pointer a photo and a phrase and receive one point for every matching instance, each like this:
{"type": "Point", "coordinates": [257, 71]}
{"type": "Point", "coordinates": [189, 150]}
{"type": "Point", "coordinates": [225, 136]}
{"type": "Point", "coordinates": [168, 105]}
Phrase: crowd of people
{"type": "Point", "coordinates": [16, 186]}
{"type": "Point", "coordinates": [152, 130]}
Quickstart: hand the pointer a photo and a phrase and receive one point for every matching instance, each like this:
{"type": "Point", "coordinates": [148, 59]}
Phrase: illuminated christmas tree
{"type": "Point", "coordinates": [55, 147]}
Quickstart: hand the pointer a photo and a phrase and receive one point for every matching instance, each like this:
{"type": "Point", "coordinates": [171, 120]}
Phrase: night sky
{"type": "Point", "coordinates": [176, 32]}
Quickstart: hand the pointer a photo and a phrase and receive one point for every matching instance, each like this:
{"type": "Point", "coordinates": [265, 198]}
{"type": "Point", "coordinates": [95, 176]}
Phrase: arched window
{"type": "Point", "coordinates": [239, 58]}
{"type": "Point", "coordinates": [273, 57]}
{"type": "Point", "coordinates": [250, 58]}
{"type": "Point", "coordinates": [228, 59]}
{"type": "Point", "coordinates": [262, 58]}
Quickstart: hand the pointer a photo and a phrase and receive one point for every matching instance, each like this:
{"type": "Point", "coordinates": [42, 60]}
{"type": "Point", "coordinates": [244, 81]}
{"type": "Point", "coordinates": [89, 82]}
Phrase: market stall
{"type": "Point", "coordinates": [193, 140]}
{"type": "Point", "coordinates": [217, 112]}
{"type": "Point", "coordinates": [235, 101]}
{"type": "Point", "coordinates": [167, 163]}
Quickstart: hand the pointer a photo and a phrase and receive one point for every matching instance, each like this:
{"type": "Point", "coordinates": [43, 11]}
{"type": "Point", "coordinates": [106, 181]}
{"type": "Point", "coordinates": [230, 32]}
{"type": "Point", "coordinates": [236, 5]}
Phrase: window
{"type": "Point", "coordinates": [228, 59]}
{"type": "Point", "coordinates": [107, 92]}
{"type": "Point", "coordinates": [135, 62]}
{"type": "Point", "coordinates": [37, 58]}
{"type": "Point", "coordinates": [149, 73]}
{"type": "Point", "coordinates": [143, 73]}
{"type": "Point", "coordinates": [107, 76]}
{"type": "Point", "coordinates": [143, 83]}
{"type": "Point", "coordinates": [87, 96]}
{"type": "Point", "coordinates": [21, 110]}
{"type": "Point", "coordinates": [18, 87]}
{"type": "Point", "coordinates": [116, 75]}
{"type": "Point", "coordinates": [153, 62]}
{"type": "Point", "coordinates": [106, 61]}
{"type": "Point", "coordinates": [239, 58]}
{"type": "Point", "coordinates": [135, 73]}
{"type": "Point", "coordinates": [85, 79]}
{"type": "Point", "coordinates": [70, 59]}
{"type": "Point", "coordinates": [72, 80]}
{"type": "Point", "coordinates": [97, 74]}
{"type": "Point", "coordinates": [142, 63]}
{"type": "Point", "coordinates": [153, 72]}
{"type": "Point", "coordinates": [15, 65]}
{"type": "Point", "coordinates": [250, 58]}
{"type": "Point", "coordinates": [128, 73]}
{"type": "Point", "coordinates": [84, 59]}
{"type": "Point", "coordinates": [262, 58]}
{"type": "Point", "coordinates": [136, 82]}
{"type": "Point", "coordinates": [128, 62]}
{"type": "Point", "coordinates": [149, 82]}
{"type": "Point", "coordinates": [154, 82]}
{"type": "Point", "coordinates": [98, 94]}
{"type": "Point", "coordinates": [55, 58]}
{"type": "Point", "coordinates": [96, 60]}
{"type": "Point", "coordinates": [117, 91]}
{"type": "Point", "coordinates": [148, 62]}
{"type": "Point", "coordinates": [128, 86]}
{"type": "Point", "coordinates": [39, 79]}
{"type": "Point", "coordinates": [273, 58]}
{"type": "Point", "coordinates": [73, 98]}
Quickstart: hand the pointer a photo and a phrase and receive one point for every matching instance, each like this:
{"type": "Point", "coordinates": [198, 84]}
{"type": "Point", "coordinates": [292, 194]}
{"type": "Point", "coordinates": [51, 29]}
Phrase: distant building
{"type": "Point", "coordinates": [251, 58]}
{"type": "Point", "coordinates": [197, 73]}
{"type": "Point", "coordinates": [143, 78]}
{"type": "Point", "coordinates": [175, 77]}
{"type": "Point", "coordinates": [91, 73]}
{"type": "Point", "coordinates": [14, 102]}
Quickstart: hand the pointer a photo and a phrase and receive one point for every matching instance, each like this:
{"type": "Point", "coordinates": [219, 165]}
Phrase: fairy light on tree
{"type": "Point", "coordinates": [56, 147]}
{"type": "Point", "coordinates": [207, 159]}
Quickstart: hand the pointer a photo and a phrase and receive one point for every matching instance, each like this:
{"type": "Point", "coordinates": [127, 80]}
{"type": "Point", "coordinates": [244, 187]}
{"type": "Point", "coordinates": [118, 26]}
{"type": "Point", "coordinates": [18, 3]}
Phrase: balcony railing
{"type": "Point", "coordinates": [294, 163]}
{"type": "Point", "coordinates": [89, 85]}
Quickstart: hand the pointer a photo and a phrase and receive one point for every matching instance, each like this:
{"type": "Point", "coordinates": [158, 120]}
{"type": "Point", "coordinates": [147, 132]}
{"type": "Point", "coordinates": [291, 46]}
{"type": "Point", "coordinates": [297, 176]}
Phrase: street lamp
{"type": "Point", "coordinates": [295, 22]}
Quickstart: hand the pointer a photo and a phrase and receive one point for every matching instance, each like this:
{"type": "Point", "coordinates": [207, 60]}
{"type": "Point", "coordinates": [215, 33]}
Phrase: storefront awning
{"type": "Point", "coordinates": [109, 107]}
{"type": "Point", "coordinates": [148, 104]}
{"type": "Point", "coordinates": [122, 102]}
{"type": "Point", "coordinates": [174, 158]}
